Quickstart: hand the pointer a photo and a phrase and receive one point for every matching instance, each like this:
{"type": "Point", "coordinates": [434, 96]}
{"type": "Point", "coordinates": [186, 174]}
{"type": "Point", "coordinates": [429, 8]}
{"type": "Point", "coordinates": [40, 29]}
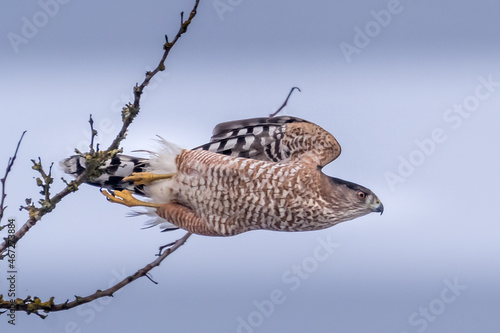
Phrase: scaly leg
{"type": "Point", "coordinates": [144, 178]}
{"type": "Point", "coordinates": [125, 198]}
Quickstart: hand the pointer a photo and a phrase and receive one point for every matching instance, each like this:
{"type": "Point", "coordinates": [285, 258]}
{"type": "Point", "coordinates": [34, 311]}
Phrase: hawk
{"type": "Point", "coordinates": [260, 173]}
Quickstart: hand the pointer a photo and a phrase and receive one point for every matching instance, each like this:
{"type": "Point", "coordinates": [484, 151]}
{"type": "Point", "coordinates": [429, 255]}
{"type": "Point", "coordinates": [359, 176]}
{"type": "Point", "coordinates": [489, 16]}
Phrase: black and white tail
{"type": "Point", "coordinates": [121, 166]}
{"type": "Point", "coordinates": [114, 171]}
{"type": "Point", "coordinates": [256, 138]}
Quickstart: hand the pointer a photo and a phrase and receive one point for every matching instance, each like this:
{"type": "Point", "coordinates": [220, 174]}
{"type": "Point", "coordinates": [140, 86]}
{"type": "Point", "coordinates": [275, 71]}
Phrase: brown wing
{"type": "Point", "coordinates": [309, 142]}
{"type": "Point", "coordinates": [278, 139]}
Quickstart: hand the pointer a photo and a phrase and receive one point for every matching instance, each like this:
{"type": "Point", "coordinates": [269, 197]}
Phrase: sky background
{"type": "Point", "coordinates": [410, 89]}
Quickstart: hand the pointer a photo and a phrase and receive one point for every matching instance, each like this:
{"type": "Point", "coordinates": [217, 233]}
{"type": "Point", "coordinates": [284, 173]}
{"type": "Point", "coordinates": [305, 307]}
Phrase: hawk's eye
{"type": "Point", "coordinates": [361, 195]}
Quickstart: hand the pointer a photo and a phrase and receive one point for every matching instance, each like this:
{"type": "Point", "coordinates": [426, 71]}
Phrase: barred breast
{"type": "Point", "coordinates": [235, 195]}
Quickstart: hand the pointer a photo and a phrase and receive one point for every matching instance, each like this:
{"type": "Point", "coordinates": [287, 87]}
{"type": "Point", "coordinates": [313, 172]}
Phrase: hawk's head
{"type": "Point", "coordinates": [351, 200]}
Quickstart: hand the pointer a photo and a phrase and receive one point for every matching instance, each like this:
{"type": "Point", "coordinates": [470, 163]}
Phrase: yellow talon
{"type": "Point", "coordinates": [144, 178]}
{"type": "Point", "coordinates": [125, 198]}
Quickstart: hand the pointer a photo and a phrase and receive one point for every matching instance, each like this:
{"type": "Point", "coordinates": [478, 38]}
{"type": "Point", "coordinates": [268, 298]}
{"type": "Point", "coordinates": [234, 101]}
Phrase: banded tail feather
{"type": "Point", "coordinates": [255, 138]}
{"type": "Point", "coordinates": [114, 170]}
{"type": "Point", "coordinates": [121, 166]}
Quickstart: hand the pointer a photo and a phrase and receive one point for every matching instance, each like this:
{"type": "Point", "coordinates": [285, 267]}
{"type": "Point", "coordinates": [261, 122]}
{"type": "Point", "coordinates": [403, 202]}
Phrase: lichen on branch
{"type": "Point", "coordinates": [94, 159]}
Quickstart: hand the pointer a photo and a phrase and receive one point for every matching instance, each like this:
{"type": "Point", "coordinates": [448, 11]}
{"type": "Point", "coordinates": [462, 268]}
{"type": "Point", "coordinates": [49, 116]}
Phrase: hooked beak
{"type": "Point", "coordinates": [377, 206]}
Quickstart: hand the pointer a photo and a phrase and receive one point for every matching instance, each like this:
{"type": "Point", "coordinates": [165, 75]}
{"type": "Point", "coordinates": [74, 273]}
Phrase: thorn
{"type": "Point", "coordinates": [164, 246]}
{"type": "Point", "coordinates": [150, 278]}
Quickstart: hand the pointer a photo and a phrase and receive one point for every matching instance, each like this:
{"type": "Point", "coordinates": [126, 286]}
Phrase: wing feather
{"type": "Point", "coordinates": [278, 139]}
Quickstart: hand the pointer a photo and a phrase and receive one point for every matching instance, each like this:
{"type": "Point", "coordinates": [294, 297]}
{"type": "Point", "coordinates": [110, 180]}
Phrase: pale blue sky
{"type": "Point", "coordinates": [414, 105]}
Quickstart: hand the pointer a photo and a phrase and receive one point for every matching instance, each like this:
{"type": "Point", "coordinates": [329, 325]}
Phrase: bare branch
{"type": "Point", "coordinates": [131, 110]}
{"type": "Point", "coordinates": [35, 213]}
{"type": "Point", "coordinates": [34, 305]}
{"type": "Point", "coordinates": [92, 135]}
{"type": "Point", "coordinates": [284, 103]}
{"type": "Point", "coordinates": [4, 179]}
{"type": "Point", "coordinates": [94, 159]}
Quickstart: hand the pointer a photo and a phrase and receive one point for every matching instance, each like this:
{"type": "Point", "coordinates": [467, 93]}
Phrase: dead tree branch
{"type": "Point", "coordinates": [131, 110]}
{"type": "Point", "coordinates": [4, 179]}
{"type": "Point", "coordinates": [34, 305]}
{"type": "Point", "coordinates": [94, 159]}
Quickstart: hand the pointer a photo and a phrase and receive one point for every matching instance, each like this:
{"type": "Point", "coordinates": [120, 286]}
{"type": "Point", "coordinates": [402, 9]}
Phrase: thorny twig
{"type": "Point", "coordinates": [92, 135]}
{"type": "Point", "coordinates": [129, 113]}
{"type": "Point", "coordinates": [4, 179]}
{"type": "Point", "coordinates": [131, 110]}
{"type": "Point", "coordinates": [94, 159]}
{"type": "Point", "coordinates": [36, 213]}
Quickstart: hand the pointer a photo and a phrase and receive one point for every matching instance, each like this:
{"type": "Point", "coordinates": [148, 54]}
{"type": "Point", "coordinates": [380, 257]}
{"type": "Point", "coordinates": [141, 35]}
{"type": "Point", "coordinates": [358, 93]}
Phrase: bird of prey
{"type": "Point", "coordinates": [260, 173]}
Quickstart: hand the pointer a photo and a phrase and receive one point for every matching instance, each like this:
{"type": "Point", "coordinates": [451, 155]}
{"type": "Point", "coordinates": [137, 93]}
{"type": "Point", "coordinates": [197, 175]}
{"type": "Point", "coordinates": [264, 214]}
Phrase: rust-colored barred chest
{"type": "Point", "coordinates": [234, 195]}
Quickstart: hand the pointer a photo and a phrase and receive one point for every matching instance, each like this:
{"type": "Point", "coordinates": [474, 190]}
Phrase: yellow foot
{"type": "Point", "coordinates": [125, 198]}
{"type": "Point", "coordinates": [144, 178]}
